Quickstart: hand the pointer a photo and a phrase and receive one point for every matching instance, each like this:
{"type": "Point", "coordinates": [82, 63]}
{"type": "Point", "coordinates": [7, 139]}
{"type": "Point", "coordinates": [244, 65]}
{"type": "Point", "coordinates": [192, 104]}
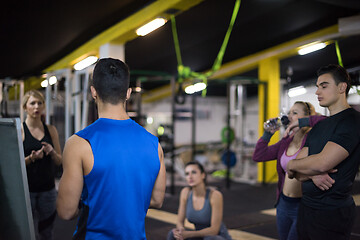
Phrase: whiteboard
{"type": "Point", "coordinates": [15, 209]}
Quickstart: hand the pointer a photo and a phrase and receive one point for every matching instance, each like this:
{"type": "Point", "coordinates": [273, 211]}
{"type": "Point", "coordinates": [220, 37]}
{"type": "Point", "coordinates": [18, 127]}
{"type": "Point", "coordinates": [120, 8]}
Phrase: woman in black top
{"type": "Point", "coordinates": [42, 152]}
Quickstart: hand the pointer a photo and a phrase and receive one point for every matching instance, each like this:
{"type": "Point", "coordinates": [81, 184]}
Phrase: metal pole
{"type": "Point", "coordinates": [265, 117]}
{"type": "Point", "coordinates": [77, 111]}
{"type": "Point", "coordinates": [138, 102]}
{"type": "Point", "coordinates": [193, 127]}
{"type": "Point", "coordinates": [228, 139]}
{"type": "Point", "coordinates": [68, 97]}
{"type": "Point", "coordinates": [21, 100]}
{"type": "Point", "coordinates": [85, 103]}
{"type": "Point", "coordinates": [48, 100]}
{"type": "Point", "coordinates": [172, 184]}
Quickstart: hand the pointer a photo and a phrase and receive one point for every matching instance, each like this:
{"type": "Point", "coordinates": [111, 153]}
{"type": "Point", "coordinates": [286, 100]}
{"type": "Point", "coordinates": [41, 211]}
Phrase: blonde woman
{"type": "Point", "coordinates": [42, 152]}
{"type": "Point", "coordinates": [289, 190]}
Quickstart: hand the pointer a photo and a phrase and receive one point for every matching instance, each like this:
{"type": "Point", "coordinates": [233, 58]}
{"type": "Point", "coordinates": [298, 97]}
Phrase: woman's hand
{"type": "Point", "coordinates": [185, 234]}
{"type": "Point", "coordinates": [47, 148]}
{"type": "Point", "coordinates": [178, 233]}
{"type": "Point", "coordinates": [39, 154]}
{"type": "Point", "coordinates": [292, 128]}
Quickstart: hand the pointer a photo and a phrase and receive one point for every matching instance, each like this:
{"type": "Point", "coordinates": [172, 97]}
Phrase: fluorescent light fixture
{"type": "Point", "coordinates": [297, 91]}
{"type": "Point", "coordinates": [85, 63]}
{"type": "Point", "coordinates": [44, 83]}
{"type": "Point", "coordinates": [52, 80]}
{"type": "Point", "coordinates": [197, 87]}
{"type": "Point", "coordinates": [151, 26]}
{"type": "Point", "coordinates": [312, 47]}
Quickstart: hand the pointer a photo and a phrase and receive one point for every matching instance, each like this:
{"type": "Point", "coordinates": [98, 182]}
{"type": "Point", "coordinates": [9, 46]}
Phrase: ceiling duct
{"type": "Point", "coordinates": [349, 26]}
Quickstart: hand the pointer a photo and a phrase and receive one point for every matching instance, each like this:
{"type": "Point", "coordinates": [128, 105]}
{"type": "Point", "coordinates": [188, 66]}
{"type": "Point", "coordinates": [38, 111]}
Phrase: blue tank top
{"type": "Point", "coordinates": [117, 192]}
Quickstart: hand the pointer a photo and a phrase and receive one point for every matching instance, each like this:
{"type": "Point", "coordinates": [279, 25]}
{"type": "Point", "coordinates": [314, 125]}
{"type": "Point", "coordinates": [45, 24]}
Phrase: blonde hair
{"type": "Point", "coordinates": [35, 93]}
{"type": "Point", "coordinates": [308, 108]}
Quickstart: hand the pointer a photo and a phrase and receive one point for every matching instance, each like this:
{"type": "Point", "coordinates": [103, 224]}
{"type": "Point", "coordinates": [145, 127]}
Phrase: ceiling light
{"type": "Point", "coordinates": [297, 91]}
{"type": "Point", "coordinates": [312, 47]}
{"type": "Point", "coordinates": [85, 63]}
{"type": "Point", "coordinates": [151, 26]}
{"type": "Point", "coordinates": [195, 88]}
{"type": "Point", "coordinates": [44, 83]}
{"type": "Point", "coordinates": [52, 80]}
{"type": "Point", "coordinates": [149, 120]}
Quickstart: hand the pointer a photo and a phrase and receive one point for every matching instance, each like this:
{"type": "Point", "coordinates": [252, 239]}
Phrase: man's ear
{"type": "Point", "coordinates": [93, 92]}
{"type": "Point", "coordinates": [128, 93]}
{"type": "Point", "coordinates": [342, 87]}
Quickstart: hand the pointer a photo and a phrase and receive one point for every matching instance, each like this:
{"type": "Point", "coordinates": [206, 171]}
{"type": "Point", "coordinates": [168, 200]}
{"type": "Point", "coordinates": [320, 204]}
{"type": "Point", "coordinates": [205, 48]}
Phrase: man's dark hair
{"type": "Point", "coordinates": [111, 80]}
{"type": "Point", "coordinates": [338, 73]}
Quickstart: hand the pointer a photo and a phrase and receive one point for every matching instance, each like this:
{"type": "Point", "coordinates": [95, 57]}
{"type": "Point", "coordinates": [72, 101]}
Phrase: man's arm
{"type": "Point", "coordinates": [71, 183]}
{"type": "Point", "coordinates": [322, 181]}
{"type": "Point", "coordinates": [331, 155]}
{"type": "Point", "coordinates": [304, 152]}
{"type": "Point", "coordinates": [158, 193]}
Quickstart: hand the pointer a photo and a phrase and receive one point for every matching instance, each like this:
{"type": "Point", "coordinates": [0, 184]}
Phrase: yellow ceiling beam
{"type": "Point", "coordinates": [251, 62]}
{"type": "Point", "coordinates": [280, 51]}
{"type": "Point", "coordinates": [160, 92]}
{"type": "Point", "coordinates": [123, 31]}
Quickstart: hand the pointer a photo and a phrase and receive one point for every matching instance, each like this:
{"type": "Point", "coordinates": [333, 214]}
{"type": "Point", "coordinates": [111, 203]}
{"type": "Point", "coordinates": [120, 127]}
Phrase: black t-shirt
{"type": "Point", "coordinates": [41, 173]}
{"type": "Point", "coordinates": [343, 129]}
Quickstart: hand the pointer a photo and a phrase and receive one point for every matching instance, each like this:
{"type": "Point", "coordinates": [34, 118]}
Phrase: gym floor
{"type": "Point", "coordinates": [249, 213]}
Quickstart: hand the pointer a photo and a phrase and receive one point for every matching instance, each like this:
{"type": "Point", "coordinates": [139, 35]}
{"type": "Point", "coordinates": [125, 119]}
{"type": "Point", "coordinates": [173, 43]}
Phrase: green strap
{"type": "Point", "coordinates": [185, 72]}
{"type": "Point", "coordinates": [338, 53]}
{"type": "Point", "coordinates": [218, 61]}
{"type": "Point", "coordinates": [176, 41]}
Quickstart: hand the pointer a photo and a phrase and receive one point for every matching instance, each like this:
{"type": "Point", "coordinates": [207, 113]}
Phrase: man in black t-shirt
{"type": "Point", "coordinates": [333, 143]}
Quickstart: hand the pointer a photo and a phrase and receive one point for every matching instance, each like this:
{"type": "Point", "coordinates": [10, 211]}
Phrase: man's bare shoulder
{"type": "Point", "coordinates": [77, 144]}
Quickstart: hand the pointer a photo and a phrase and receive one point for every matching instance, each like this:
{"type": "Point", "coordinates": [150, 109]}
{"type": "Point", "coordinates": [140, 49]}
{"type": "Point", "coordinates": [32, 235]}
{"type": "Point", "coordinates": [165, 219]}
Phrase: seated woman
{"type": "Point", "coordinates": [201, 206]}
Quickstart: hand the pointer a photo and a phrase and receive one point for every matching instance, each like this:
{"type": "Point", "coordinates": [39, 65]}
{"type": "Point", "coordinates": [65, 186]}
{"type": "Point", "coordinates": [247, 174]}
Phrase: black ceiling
{"type": "Point", "coordinates": [35, 34]}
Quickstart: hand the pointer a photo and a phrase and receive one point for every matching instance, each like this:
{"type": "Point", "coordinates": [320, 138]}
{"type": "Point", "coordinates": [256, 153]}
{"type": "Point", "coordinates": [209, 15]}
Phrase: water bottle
{"type": "Point", "coordinates": [275, 123]}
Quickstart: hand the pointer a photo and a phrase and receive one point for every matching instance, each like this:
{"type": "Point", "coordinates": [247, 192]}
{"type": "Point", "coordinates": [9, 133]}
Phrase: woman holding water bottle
{"type": "Point", "coordinates": [289, 190]}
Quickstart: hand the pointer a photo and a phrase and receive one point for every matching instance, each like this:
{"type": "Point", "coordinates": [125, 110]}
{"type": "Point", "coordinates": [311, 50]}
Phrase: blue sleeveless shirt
{"type": "Point", "coordinates": [117, 192]}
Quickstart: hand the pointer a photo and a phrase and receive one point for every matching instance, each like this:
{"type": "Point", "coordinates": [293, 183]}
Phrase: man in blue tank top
{"type": "Point", "coordinates": [333, 145]}
{"type": "Point", "coordinates": [114, 168]}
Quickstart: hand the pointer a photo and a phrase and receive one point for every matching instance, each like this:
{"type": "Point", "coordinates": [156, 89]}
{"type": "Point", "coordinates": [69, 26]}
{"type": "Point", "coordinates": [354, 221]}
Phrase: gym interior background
{"type": "Point", "coordinates": [250, 77]}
